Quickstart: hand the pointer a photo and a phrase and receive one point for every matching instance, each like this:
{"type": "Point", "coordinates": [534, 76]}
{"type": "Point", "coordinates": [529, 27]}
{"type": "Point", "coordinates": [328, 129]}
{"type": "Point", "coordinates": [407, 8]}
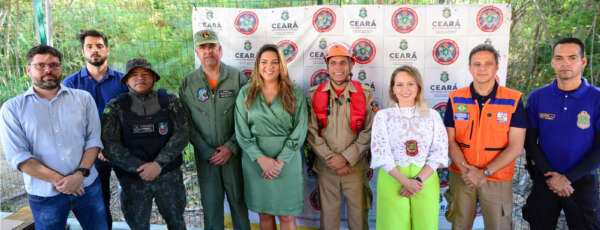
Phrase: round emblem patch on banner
{"type": "Point", "coordinates": [489, 19]}
{"type": "Point", "coordinates": [363, 50]}
{"type": "Point", "coordinates": [318, 77]}
{"type": "Point", "coordinates": [583, 120]}
{"type": "Point", "coordinates": [314, 200]}
{"type": "Point", "coordinates": [443, 173]}
{"type": "Point", "coordinates": [247, 72]}
{"type": "Point", "coordinates": [441, 108]}
{"type": "Point", "coordinates": [289, 50]}
{"type": "Point", "coordinates": [445, 52]}
{"type": "Point", "coordinates": [405, 20]}
{"type": "Point", "coordinates": [412, 147]}
{"type": "Point", "coordinates": [246, 22]}
{"type": "Point", "coordinates": [324, 20]}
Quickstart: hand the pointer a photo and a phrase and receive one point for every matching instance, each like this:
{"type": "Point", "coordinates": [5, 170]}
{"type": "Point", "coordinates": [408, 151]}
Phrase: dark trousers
{"type": "Point", "coordinates": [582, 208]}
{"type": "Point", "coordinates": [104, 170]}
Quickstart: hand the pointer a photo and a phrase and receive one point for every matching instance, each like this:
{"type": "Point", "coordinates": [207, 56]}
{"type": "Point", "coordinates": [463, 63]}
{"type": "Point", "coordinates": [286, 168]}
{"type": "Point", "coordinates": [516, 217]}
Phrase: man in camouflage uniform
{"type": "Point", "coordinates": [144, 132]}
{"type": "Point", "coordinates": [209, 94]}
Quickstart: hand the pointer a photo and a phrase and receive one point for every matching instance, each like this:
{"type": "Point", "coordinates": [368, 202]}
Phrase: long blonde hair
{"type": "Point", "coordinates": [420, 103]}
{"type": "Point", "coordinates": [286, 87]}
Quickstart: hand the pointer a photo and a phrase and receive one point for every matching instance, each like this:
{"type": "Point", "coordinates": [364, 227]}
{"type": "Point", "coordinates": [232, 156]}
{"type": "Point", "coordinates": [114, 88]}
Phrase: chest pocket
{"type": "Point", "coordinates": [226, 99]}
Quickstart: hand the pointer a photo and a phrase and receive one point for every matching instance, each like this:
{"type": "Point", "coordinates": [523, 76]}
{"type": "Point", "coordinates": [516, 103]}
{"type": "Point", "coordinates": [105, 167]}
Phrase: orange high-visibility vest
{"type": "Point", "coordinates": [482, 135]}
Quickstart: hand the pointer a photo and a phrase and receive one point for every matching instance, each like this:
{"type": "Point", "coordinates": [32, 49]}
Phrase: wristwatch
{"type": "Point", "coordinates": [85, 172]}
{"type": "Point", "coordinates": [487, 172]}
{"type": "Point", "coordinates": [417, 178]}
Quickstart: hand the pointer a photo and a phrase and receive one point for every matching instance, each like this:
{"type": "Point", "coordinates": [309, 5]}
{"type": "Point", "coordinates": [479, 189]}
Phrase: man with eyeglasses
{"type": "Point", "coordinates": [52, 134]}
{"type": "Point", "coordinates": [104, 84]}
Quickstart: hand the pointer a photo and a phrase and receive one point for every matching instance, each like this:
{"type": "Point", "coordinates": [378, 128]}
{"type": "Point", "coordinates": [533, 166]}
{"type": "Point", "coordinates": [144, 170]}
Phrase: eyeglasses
{"type": "Point", "coordinates": [42, 66]}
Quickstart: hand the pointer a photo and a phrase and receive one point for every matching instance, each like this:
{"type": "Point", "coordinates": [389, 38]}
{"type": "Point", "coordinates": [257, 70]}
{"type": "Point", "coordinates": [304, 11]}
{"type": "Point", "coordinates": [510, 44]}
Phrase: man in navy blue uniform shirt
{"type": "Point", "coordinates": [562, 143]}
{"type": "Point", "coordinates": [104, 84]}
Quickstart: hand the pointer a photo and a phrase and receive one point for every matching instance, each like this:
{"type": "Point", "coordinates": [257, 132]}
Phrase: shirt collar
{"type": "Point", "coordinates": [476, 95]}
{"type": "Point", "coordinates": [349, 87]}
{"type": "Point", "coordinates": [110, 72]}
{"type": "Point", "coordinates": [30, 91]}
{"type": "Point", "coordinates": [579, 92]}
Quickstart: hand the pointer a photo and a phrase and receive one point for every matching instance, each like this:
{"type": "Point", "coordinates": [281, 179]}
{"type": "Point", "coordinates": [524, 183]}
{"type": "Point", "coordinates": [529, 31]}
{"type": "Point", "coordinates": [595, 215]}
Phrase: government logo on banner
{"type": "Point", "coordinates": [285, 26]}
{"type": "Point", "coordinates": [324, 20]}
{"type": "Point", "coordinates": [243, 55]}
{"type": "Point", "coordinates": [405, 20]}
{"type": "Point", "coordinates": [362, 24]}
{"type": "Point", "coordinates": [402, 55]}
{"type": "Point", "coordinates": [363, 50]}
{"type": "Point", "coordinates": [441, 90]}
{"type": "Point", "coordinates": [447, 24]}
{"type": "Point", "coordinates": [289, 50]}
{"type": "Point", "coordinates": [445, 52]}
{"type": "Point", "coordinates": [489, 19]}
{"type": "Point", "coordinates": [246, 22]}
{"type": "Point", "coordinates": [318, 77]}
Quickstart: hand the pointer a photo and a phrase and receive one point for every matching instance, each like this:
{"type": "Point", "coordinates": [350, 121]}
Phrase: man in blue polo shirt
{"type": "Point", "coordinates": [104, 84]}
{"type": "Point", "coordinates": [563, 144]}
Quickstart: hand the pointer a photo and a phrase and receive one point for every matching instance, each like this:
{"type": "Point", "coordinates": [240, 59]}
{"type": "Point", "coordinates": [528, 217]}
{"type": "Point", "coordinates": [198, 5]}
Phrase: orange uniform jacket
{"type": "Point", "coordinates": [482, 135]}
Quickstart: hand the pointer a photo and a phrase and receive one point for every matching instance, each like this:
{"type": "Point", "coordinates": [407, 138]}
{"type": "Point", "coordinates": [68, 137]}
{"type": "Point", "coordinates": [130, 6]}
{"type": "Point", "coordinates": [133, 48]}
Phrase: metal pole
{"type": "Point", "coordinates": [39, 20]}
{"type": "Point", "coordinates": [48, 22]}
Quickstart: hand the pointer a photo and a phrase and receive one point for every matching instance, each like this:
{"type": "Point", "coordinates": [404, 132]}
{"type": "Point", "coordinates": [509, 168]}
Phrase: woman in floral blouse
{"type": "Point", "coordinates": [408, 142]}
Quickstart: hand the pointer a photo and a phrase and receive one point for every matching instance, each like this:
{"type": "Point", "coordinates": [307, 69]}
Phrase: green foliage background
{"type": "Point", "coordinates": [161, 31]}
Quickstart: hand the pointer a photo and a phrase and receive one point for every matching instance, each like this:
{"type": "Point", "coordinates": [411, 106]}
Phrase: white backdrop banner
{"type": "Point", "coordinates": [436, 39]}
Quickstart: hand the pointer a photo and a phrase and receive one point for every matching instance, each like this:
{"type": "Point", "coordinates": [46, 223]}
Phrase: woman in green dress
{"type": "Point", "coordinates": [270, 127]}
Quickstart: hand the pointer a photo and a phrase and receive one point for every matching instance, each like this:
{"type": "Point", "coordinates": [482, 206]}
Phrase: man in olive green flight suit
{"type": "Point", "coordinates": [208, 93]}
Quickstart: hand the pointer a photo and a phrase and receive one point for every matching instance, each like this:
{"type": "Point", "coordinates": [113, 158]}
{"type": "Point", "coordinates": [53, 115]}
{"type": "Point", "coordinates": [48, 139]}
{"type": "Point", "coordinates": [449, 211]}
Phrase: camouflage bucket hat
{"type": "Point", "coordinates": [135, 63]}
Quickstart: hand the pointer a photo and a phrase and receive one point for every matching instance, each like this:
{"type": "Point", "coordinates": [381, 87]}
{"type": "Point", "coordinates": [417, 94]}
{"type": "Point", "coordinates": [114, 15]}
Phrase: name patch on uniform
{"type": "Point", "coordinates": [502, 117]}
{"type": "Point", "coordinates": [202, 94]}
{"type": "Point", "coordinates": [461, 116]}
{"type": "Point", "coordinates": [583, 120]}
{"type": "Point", "coordinates": [143, 128]}
{"type": "Point", "coordinates": [225, 93]}
{"type": "Point", "coordinates": [163, 128]}
{"type": "Point", "coordinates": [547, 116]}
{"type": "Point", "coordinates": [461, 108]}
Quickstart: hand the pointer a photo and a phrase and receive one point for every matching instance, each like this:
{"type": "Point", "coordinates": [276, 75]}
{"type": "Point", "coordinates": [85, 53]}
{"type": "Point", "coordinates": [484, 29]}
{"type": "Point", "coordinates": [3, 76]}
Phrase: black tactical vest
{"type": "Point", "coordinates": [145, 136]}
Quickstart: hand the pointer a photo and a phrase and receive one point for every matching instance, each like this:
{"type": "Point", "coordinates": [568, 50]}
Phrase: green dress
{"type": "Point", "coordinates": [264, 130]}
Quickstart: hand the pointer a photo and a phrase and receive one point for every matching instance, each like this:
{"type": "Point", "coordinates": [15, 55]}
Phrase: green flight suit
{"type": "Point", "coordinates": [211, 115]}
{"type": "Point", "coordinates": [264, 130]}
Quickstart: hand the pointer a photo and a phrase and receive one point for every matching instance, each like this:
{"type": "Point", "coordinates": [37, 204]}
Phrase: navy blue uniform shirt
{"type": "Point", "coordinates": [518, 119]}
{"type": "Point", "coordinates": [567, 123]}
{"type": "Point", "coordinates": [108, 88]}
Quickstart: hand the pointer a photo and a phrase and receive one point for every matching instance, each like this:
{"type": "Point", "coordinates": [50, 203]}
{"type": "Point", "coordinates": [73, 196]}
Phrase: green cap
{"type": "Point", "coordinates": [205, 36]}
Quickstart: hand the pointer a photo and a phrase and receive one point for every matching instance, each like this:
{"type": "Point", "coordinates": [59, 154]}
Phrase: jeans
{"type": "Point", "coordinates": [52, 212]}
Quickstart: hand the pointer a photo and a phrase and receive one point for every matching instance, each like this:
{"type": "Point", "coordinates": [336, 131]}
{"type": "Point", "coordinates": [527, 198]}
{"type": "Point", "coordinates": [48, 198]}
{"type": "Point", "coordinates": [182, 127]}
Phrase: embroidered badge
{"type": "Point", "coordinates": [583, 120]}
{"type": "Point", "coordinates": [225, 93]}
{"type": "Point", "coordinates": [547, 116]}
{"type": "Point", "coordinates": [461, 108]}
{"type": "Point", "coordinates": [412, 147]}
{"type": "Point", "coordinates": [106, 110]}
{"type": "Point", "coordinates": [461, 116]}
{"type": "Point", "coordinates": [163, 128]}
{"type": "Point", "coordinates": [502, 117]}
{"type": "Point", "coordinates": [202, 94]}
